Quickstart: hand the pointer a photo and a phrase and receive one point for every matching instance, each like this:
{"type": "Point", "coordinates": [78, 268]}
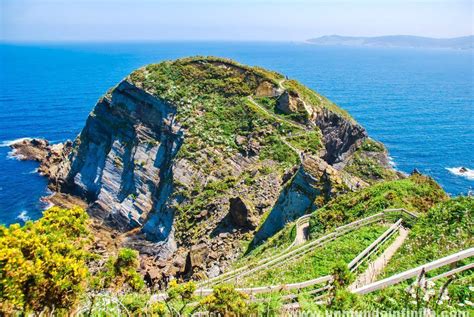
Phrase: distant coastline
{"type": "Point", "coordinates": [401, 41]}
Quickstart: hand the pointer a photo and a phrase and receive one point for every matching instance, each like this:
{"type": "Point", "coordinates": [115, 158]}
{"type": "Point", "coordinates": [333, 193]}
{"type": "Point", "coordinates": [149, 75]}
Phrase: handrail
{"type": "Point", "coordinates": [271, 288]}
{"type": "Point", "coordinates": [400, 277]}
{"type": "Point", "coordinates": [452, 272]}
{"type": "Point", "coordinates": [300, 251]}
{"type": "Point", "coordinates": [410, 213]}
{"type": "Point", "coordinates": [374, 245]}
{"type": "Point", "coordinates": [264, 263]}
{"type": "Point", "coordinates": [286, 253]}
{"type": "Point", "coordinates": [304, 284]}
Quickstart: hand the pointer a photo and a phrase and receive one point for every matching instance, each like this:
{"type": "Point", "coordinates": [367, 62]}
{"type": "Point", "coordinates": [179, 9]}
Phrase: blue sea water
{"type": "Point", "coordinates": [420, 103]}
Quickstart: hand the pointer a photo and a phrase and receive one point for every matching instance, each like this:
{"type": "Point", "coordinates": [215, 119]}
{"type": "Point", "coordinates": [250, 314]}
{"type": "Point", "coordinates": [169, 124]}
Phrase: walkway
{"type": "Point", "coordinates": [376, 267]}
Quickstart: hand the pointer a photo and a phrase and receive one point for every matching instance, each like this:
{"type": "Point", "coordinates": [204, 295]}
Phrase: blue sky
{"type": "Point", "coordinates": [277, 20]}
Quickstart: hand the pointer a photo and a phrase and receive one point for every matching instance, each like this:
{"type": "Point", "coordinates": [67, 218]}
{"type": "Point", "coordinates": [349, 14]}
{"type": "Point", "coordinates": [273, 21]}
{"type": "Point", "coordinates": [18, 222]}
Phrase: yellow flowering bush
{"type": "Point", "coordinates": [43, 263]}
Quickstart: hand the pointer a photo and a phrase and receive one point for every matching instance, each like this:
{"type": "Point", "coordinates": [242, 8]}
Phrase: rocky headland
{"type": "Point", "coordinates": [190, 160]}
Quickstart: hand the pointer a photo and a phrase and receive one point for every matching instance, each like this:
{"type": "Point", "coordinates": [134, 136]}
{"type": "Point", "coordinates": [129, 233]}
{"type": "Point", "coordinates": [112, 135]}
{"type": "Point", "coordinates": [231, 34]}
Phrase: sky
{"type": "Point", "coordinates": [277, 20]}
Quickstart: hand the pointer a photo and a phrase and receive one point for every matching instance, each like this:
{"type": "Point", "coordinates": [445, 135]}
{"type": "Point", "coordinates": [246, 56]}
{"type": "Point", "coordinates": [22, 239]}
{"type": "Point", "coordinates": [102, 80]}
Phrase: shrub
{"type": "Point", "coordinates": [119, 272]}
{"type": "Point", "coordinates": [226, 301]}
{"type": "Point", "coordinates": [178, 299]}
{"type": "Point", "coordinates": [43, 263]}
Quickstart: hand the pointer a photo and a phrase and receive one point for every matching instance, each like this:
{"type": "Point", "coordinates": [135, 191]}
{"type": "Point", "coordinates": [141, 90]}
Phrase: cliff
{"type": "Point", "coordinates": [188, 159]}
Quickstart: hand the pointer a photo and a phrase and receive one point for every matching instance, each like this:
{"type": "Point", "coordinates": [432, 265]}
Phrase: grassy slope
{"type": "Point", "coordinates": [365, 163]}
{"type": "Point", "coordinates": [417, 193]}
{"type": "Point", "coordinates": [445, 229]}
{"type": "Point", "coordinates": [318, 262]}
{"type": "Point", "coordinates": [414, 193]}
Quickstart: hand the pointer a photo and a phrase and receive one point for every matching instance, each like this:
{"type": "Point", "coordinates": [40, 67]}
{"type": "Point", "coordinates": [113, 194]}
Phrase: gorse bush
{"type": "Point", "coordinates": [119, 272]}
{"type": "Point", "coordinates": [226, 301]}
{"type": "Point", "coordinates": [43, 263]}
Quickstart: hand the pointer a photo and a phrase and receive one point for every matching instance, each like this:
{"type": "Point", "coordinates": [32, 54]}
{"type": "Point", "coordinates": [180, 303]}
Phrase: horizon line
{"type": "Point", "coordinates": [52, 41]}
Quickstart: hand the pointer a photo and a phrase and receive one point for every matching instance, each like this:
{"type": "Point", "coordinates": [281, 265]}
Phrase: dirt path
{"type": "Point", "coordinates": [276, 117]}
{"type": "Point", "coordinates": [302, 233]}
{"type": "Point", "coordinates": [377, 266]}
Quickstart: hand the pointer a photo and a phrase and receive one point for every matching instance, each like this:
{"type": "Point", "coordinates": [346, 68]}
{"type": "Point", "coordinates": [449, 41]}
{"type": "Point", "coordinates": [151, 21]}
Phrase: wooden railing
{"type": "Point", "coordinates": [308, 247]}
{"type": "Point", "coordinates": [400, 277]}
{"type": "Point", "coordinates": [300, 285]}
{"type": "Point", "coordinates": [287, 253]}
{"type": "Point", "coordinates": [374, 246]}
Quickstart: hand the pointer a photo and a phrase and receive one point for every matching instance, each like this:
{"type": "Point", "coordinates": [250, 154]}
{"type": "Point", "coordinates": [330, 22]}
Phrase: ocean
{"type": "Point", "coordinates": [419, 103]}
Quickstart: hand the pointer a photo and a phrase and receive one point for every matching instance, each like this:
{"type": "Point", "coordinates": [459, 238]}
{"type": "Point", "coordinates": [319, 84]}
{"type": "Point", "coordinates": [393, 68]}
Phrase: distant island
{"type": "Point", "coordinates": [461, 43]}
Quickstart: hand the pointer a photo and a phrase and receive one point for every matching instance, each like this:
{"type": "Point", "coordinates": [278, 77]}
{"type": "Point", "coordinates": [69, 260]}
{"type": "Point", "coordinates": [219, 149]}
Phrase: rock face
{"type": "Point", "coordinates": [184, 158]}
{"type": "Point", "coordinates": [242, 213]}
{"type": "Point", "coordinates": [341, 136]}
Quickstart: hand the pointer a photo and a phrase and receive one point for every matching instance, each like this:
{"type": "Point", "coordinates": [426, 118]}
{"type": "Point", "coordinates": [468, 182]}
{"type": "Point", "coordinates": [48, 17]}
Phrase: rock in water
{"type": "Point", "coordinates": [187, 156]}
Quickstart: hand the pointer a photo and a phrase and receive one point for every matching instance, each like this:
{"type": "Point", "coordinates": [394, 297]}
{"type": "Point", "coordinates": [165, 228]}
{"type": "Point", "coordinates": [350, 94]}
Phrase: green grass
{"type": "Point", "coordinates": [318, 262]}
{"type": "Point", "coordinates": [446, 229]}
{"type": "Point", "coordinates": [366, 165]}
{"type": "Point", "coordinates": [416, 193]}
{"type": "Point", "coordinates": [309, 141]}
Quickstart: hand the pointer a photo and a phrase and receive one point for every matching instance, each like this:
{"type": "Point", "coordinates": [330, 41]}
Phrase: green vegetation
{"type": "Point", "coordinates": [211, 98]}
{"type": "Point", "coordinates": [186, 214]}
{"type": "Point", "coordinates": [416, 193]}
{"type": "Point", "coordinates": [369, 169]}
{"type": "Point", "coordinates": [43, 263]}
{"type": "Point", "coordinates": [119, 273]}
{"type": "Point", "coordinates": [278, 151]}
{"type": "Point", "coordinates": [366, 165]}
{"type": "Point", "coordinates": [309, 141]}
{"type": "Point", "coordinates": [447, 228]}
{"type": "Point", "coordinates": [226, 301]}
{"type": "Point", "coordinates": [319, 262]}
{"type": "Point", "coordinates": [370, 145]}
{"type": "Point", "coordinates": [313, 98]}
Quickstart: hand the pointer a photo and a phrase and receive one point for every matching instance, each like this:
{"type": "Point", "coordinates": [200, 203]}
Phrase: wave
{"type": "Point", "coordinates": [391, 162]}
{"type": "Point", "coordinates": [23, 216]}
{"type": "Point", "coordinates": [8, 143]}
{"type": "Point", "coordinates": [13, 156]}
{"type": "Point", "coordinates": [34, 171]}
{"type": "Point", "coordinates": [462, 171]}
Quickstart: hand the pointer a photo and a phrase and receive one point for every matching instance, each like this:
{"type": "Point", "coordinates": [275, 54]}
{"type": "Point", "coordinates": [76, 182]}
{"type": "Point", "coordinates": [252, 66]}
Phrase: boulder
{"type": "Point", "coordinates": [289, 103]}
{"type": "Point", "coordinates": [242, 213]}
{"type": "Point", "coordinates": [198, 255]}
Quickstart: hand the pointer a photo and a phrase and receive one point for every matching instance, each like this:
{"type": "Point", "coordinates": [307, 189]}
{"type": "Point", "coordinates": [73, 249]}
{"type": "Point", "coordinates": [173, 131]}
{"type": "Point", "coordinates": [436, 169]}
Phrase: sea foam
{"type": "Point", "coordinates": [8, 143]}
{"type": "Point", "coordinates": [469, 173]}
{"type": "Point", "coordinates": [23, 216]}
